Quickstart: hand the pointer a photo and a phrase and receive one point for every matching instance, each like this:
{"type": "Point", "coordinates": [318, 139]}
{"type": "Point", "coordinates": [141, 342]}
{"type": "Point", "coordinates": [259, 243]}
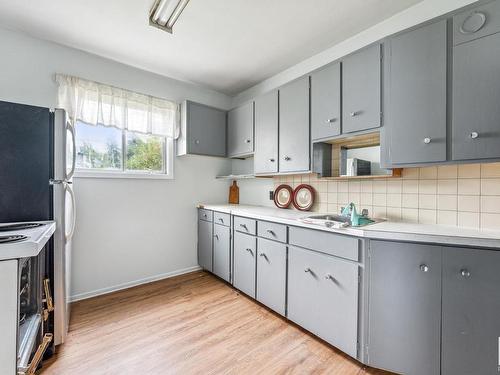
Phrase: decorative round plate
{"type": "Point", "coordinates": [283, 196]}
{"type": "Point", "coordinates": [303, 197]}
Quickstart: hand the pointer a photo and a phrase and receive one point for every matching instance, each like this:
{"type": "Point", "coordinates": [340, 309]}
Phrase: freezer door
{"type": "Point", "coordinates": [64, 147]}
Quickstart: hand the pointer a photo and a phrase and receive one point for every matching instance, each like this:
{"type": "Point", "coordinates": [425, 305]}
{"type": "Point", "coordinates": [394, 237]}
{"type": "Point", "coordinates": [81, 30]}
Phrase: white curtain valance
{"type": "Point", "coordinates": [98, 104]}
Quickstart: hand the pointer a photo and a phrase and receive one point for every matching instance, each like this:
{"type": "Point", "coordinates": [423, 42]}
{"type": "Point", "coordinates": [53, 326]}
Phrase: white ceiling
{"type": "Point", "coordinates": [227, 45]}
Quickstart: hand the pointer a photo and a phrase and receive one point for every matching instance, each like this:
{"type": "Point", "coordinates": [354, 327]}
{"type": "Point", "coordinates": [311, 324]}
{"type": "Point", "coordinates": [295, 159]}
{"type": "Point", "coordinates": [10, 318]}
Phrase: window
{"type": "Point", "coordinates": [102, 149]}
{"type": "Point", "coordinates": [119, 133]}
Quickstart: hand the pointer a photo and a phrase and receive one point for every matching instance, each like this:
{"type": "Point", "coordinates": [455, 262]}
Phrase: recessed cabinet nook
{"type": "Point", "coordinates": [428, 95]}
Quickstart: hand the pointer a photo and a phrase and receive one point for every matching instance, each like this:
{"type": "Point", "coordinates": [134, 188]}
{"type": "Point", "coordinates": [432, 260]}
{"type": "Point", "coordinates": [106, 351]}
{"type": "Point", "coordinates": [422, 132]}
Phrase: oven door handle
{"type": "Point", "coordinates": [47, 338]}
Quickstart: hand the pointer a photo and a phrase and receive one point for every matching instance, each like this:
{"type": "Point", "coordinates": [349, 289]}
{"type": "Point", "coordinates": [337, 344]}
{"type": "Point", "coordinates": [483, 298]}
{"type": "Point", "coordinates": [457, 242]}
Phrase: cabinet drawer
{"type": "Point", "coordinates": [206, 215]}
{"type": "Point", "coordinates": [329, 243]}
{"type": "Point", "coordinates": [244, 263]}
{"type": "Point", "coordinates": [323, 297]}
{"type": "Point", "coordinates": [272, 231]}
{"type": "Point", "coordinates": [245, 225]}
{"type": "Point", "coordinates": [476, 23]}
{"type": "Point", "coordinates": [222, 218]}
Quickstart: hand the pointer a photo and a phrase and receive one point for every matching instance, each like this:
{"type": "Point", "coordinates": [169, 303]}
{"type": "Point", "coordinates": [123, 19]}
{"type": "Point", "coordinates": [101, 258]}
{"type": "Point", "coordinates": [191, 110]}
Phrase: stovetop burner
{"type": "Point", "coordinates": [12, 238]}
{"type": "Point", "coordinates": [19, 226]}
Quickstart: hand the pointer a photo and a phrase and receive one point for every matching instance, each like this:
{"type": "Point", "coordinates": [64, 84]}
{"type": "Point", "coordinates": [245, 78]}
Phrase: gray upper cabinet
{"type": "Point", "coordinates": [205, 244]}
{"type": "Point", "coordinates": [476, 98]}
{"type": "Point", "coordinates": [203, 130]}
{"type": "Point", "coordinates": [325, 102]}
{"type": "Point", "coordinates": [266, 134]}
{"type": "Point", "coordinates": [294, 140]}
{"type": "Point", "coordinates": [404, 333]}
{"type": "Point", "coordinates": [271, 274]}
{"type": "Point", "coordinates": [240, 131]}
{"type": "Point", "coordinates": [221, 252]}
{"type": "Point", "coordinates": [415, 93]}
{"type": "Point", "coordinates": [361, 90]}
{"type": "Point", "coordinates": [471, 311]}
{"type": "Point", "coordinates": [323, 297]}
{"type": "Point", "coordinates": [244, 263]}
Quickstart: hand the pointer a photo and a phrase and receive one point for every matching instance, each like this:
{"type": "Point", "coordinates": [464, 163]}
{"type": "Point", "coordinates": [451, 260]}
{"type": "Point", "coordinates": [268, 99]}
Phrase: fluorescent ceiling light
{"type": "Point", "coordinates": [165, 13]}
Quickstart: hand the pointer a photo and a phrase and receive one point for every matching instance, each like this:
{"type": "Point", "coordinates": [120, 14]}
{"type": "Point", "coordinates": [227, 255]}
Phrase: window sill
{"type": "Point", "coordinates": [121, 175]}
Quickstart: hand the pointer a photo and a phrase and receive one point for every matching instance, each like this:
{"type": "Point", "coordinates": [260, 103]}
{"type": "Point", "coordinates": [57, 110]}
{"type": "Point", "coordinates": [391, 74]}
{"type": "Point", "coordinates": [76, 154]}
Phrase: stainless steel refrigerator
{"type": "Point", "coordinates": [37, 162]}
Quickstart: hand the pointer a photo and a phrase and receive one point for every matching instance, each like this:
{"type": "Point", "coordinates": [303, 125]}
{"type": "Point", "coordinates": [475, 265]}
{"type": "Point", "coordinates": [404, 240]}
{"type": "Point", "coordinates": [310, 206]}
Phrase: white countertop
{"type": "Point", "coordinates": [37, 238]}
{"type": "Point", "coordinates": [386, 230]}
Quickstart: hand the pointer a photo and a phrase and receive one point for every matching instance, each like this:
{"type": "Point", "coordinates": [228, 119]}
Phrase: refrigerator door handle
{"type": "Point", "coordinates": [71, 129]}
{"type": "Point", "coordinates": [69, 235]}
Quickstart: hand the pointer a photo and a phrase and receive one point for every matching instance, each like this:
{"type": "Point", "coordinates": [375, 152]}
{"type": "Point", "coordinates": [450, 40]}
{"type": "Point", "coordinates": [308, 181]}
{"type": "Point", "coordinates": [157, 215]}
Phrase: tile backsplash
{"type": "Point", "coordinates": [459, 195]}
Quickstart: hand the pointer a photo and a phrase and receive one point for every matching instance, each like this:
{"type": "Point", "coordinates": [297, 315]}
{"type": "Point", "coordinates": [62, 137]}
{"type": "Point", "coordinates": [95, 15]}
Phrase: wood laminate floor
{"type": "Point", "coordinates": [190, 324]}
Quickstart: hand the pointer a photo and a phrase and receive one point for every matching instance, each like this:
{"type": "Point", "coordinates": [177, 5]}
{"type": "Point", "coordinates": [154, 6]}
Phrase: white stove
{"type": "Point", "coordinates": [21, 240]}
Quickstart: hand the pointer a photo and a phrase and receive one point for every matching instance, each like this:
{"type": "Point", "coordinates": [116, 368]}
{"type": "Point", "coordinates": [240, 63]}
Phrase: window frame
{"type": "Point", "coordinates": [166, 174]}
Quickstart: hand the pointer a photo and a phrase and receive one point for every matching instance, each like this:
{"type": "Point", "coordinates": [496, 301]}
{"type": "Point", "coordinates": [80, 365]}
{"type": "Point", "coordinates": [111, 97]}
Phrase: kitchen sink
{"type": "Point", "coordinates": [335, 220]}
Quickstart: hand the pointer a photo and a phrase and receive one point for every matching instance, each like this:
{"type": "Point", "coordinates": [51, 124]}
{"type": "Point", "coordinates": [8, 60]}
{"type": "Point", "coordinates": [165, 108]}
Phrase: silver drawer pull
{"type": "Point", "coordinates": [307, 269]}
{"type": "Point", "coordinates": [329, 277]}
{"type": "Point", "coordinates": [354, 114]}
{"type": "Point", "coordinates": [221, 219]}
{"type": "Point", "coordinates": [216, 236]}
{"type": "Point", "coordinates": [250, 251]}
{"type": "Point", "coordinates": [287, 158]}
{"type": "Point", "coordinates": [264, 255]}
{"type": "Point", "coordinates": [424, 268]}
{"type": "Point", "coordinates": [272, 160]}
{"type": "Point", "coordinates": [465, 273]}
{"type": "Point", "coordinates": [427, 140]}
{"type": "Point", "coordinates": [247, 141]}
{"type": "Point", "coordinates": [243, 226]}
{"type": "Point", "coordinates": [330, 120]}
{"type": "Point", "coordinates": [474, 135]}
{"type": "Point", "coordinates": [271, 232]}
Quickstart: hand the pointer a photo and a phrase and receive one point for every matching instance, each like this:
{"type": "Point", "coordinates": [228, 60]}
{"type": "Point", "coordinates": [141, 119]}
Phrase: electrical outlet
{"type": "Point", "coordinates": [271, 195]}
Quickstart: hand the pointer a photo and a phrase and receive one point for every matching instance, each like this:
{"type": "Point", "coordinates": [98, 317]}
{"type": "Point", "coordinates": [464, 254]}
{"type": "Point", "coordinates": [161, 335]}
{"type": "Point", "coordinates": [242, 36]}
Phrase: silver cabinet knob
{"type": "Point", "coordinates": [271, 232]}
{"type": "Point", "coordinates": [287, 158]}
{"type": "Point", "coordinates": [427, 140]}
{"type": "Point", "coordinates": [247, 141]}
{"type": "Point", "coordinates": [249, 250]}
{"type": "Point", "coordinates": [465, 273]}
{"type": "Point", "coordinates": [474, 135]}
{"type": "Point", "coordinates": [216, 236]}
{"type": "Point", "coordinates": [307, 269]}
{"type": "Point", "coordinates": [329, 277]}
{"type": "Point", "coordinates": [353, 114]}
{"type": "Point", "coordinates": [424, 268]}
{"type": "Point", "coordinates": [331, 120]}
{"type": "Point", "coordinates": [272, 160]}
{"type": "Point", "coordinates": [204, 215]}
{"type": "Point", "coordinates": [197, 141]}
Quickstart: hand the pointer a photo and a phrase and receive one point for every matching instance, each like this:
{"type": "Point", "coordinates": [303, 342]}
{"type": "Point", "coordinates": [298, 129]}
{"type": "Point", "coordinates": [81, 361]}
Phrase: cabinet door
{"type": "Point", "coordinates": [294, 126]}
{"type": "Point", "coordinates": [271, 274]}
{"type": "Point", "coordinates": [404, 333]}
{"type": "Point", "coordinates": [476, 98]}
{"type": "Point", "coordinates": [240, 131]}
{"type": "Point", "coordinates": [325, 102]}
{"type": "Point", "coordinates": [416, 92]}
{"type": "Point", "coordinates": [244, 263]}
{"type": "Point", "coordinates": [206, 128]}
{"type": "Point", "coordinates": [471, 311]}
{"type": "Point", "coordinates": [266, 133]}
{"type": "Point", "coordinates": [323, 297]}
{"type": "Point", "coordinates": [205, 244]}
{"type": "Point", "coordinates": [221, 251]}
{"type": "Point", "coordinates": [361, 90]}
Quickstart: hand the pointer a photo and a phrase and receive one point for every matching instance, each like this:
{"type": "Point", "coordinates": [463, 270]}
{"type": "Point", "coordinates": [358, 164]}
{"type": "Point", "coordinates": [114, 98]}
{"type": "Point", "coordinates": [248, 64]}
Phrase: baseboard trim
{"type": "Point", "coordinates": [130, 284]}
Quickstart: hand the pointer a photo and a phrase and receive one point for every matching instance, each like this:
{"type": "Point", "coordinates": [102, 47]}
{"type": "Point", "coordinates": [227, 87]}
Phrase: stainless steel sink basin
{"type": "Point", "coordinates": [333, 220]}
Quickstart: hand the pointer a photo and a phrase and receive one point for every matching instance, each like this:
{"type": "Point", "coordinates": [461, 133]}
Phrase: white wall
{"type": "Point", "coordinates": [127, 230]}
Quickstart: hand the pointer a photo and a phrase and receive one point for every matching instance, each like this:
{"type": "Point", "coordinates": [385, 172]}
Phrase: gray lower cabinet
{"type": "Point", "coordinates": [361, 90]}
{"type": "Point", "coordinates": [205, 243]}
{"type": "Point", "coordinates": [222, 249]}
{"type": "Point", "coordinates": [266, 134]}
{"type": "Point", "coordinates": [323, 297]}
{"type": "Point", "coordinates": [415, 107]}
{"type": "Point", "coordinates": [240, 131]}
{"type": "Point", "coordinates": [271, 274]}
{"type": "Point", "coordinates": [476, 98]}
{"type": "Point", "coordinates": [294, 145]}
{"type": "Point", "coordinates": [203, 130]}
{"type": "Point", "coordinates": [325, 102]}
{"type": "Point", "coordinates": [244, 249]}
{"type": "Point", "coordinates": [404, 328]}
{"type": "Point", "coordinates": [471, 311]}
